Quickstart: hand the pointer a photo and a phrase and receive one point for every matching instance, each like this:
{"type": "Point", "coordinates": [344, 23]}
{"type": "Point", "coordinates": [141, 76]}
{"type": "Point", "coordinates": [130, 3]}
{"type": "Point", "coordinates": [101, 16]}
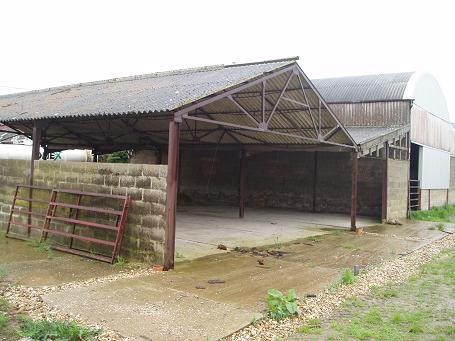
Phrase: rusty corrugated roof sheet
{"type": "Point", "coordinates": [369, 88]}
{"type": "Point", "coordinates": [156, 92]}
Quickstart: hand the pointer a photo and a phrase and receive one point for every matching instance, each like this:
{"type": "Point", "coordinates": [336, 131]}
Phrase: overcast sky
{"type": "Point", "coordinates": [50, 43]}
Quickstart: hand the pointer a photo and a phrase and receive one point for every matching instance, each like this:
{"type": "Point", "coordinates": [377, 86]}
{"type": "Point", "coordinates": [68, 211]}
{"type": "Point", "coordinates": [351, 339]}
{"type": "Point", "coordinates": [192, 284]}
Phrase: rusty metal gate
{"type": "Point", "coordinates": [71, 222]}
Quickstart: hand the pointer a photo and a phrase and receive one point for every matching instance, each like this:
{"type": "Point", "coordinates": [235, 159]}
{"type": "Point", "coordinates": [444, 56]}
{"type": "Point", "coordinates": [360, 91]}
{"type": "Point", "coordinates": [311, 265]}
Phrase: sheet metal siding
{"type": "Point", "coordinates": [390, 86]}
{"type": "Point", "coordinates": [373, 114]}
{"type": "Point", "coordinates": [432, 131]}
{"type": "Point", "coordinates": [158, 92]}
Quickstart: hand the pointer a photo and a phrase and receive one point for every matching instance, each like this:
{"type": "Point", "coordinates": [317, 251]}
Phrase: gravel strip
{"type": "Point", "coordinates": [324, 304]}
{"type": "Point", "coordinates": [29, 301]}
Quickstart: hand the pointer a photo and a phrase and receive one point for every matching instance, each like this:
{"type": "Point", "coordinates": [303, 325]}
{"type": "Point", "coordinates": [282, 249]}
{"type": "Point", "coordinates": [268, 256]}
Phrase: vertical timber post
{"type": "Point", "coordinates": [242, 184]}
{"type": "Point", "coordinates": [36, 138]}
{"type": "Point", "coordinates": [171, 198]}
{"type": "Point", "coordinates": [354, 172]}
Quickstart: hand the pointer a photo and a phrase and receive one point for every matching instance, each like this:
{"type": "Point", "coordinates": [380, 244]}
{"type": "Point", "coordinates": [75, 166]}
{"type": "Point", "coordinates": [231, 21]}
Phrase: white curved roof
{"type": "Point", "coordinates": [421, 87]}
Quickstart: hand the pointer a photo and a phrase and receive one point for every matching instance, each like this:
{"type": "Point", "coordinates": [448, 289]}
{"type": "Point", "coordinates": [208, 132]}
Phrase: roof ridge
{"type": "Point", "coordinates": [62, 88]}
{"type": "Point", "coordinates": [270, 61]}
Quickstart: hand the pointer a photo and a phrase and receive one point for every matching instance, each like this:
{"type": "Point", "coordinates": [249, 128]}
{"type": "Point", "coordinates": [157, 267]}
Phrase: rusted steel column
{"type": "Point", "coordinates": [171, 200]}
{"type": "Point", "coordinates": [354, 171]}
{"type": "Point", "coordinates": [36, 138]}
{"type": "Point", "coordinates": [242, 184]}
{"type": "Point", "coordinates": [384, 181]}
{"type": "Point", "coordinates": [315, 177]}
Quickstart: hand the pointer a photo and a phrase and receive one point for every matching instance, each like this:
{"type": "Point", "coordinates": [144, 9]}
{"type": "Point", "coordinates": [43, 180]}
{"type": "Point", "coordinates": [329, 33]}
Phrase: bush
{"type": "Point", "coordinates": [118, 157]}
{"type": "Point", "coordinates": [56, 330]}
{"type": "Point", "coordinates": [281, 306]}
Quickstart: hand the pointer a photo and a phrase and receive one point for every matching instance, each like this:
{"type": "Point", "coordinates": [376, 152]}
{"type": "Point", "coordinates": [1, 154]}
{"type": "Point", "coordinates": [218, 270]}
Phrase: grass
{"type": "Point", "coordinates": [44, 247]}
{"type": "Point", "coordinates": [276, 242]}
{"type": "Point", "coordinates": [2, 273]}
{"type": "Point", "coordinates": [179, 255]}
{"type": "Point", "coordinates": [347, 278]}
{"type": "Point", "coordinates": [444, 213]}
{"type": "Point", "coordinates": [56, 330]}
{"type": "Point", "coordinates": [3, 320]}
{"type": "Point", "coordinates": [313, 327]}
{"type": "Point", "coordinates": [420, 309]}
{"type": "Point", "coordinates": [383, 293]}
{"type": "Point", "coordinates": [314, 239]}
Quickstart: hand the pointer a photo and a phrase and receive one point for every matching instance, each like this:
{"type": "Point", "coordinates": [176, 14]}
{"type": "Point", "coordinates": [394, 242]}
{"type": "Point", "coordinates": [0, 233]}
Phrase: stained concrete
{"type": "Point", "coordinates": [169, 306]}
{"type": "Point", "coordinates": [201, 229]}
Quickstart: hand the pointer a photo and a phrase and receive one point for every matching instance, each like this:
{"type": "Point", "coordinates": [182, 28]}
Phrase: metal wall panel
{"type": "Point", "coordinates": [373, 114]}
{"type": "Point", "coordinates": [434, 168]}
{"type": "Point", "coordinates": [430, 130]}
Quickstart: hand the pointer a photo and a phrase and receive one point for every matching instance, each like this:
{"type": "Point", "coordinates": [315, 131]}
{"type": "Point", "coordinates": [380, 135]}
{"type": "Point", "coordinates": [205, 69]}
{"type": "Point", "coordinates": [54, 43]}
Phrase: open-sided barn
{"type": "Point", "coordinates": [258, 135]}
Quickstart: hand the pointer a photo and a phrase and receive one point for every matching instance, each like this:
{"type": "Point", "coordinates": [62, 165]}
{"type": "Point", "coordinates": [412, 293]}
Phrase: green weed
{"type": "Point", "coordinates": [312, 327]}
{"type": "Point", "coordinates": [55, 330]}
{"type": "Point", "coordinates": [444, 213]}
{"type": "Point", "coordinates": [276, 242]}
{"type": "Point", "coordinates": [44, 247]}
{"type": "Point", "coordinates": [3, 320]}
{"type": "Point", "coordinates": [383, 293]}
{"type": "Point", "coordinates": [119, 262]}
{"type": "Point", "coordinates": [347, 277]}
{"type": "Point", "coordinates": [179, 255]}
{"type": "Point", "coordinates": [441, 227]}
{"type": "Point", "coordinates": [281, 306]}
{"type": "Point", "coordinates": [338, 232]}
{"type": "Point", "coordinates": [4, 305]}
{"type": "Point", "coordinates": [314, 239]}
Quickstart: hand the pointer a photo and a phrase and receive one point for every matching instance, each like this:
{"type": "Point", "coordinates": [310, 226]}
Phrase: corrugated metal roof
{"type": "Point", "coordinates": [156, 92]}
{"type": "Point", "coordinates": [369, 88]}
{"type": "Point", "coordinates": [364, 134]}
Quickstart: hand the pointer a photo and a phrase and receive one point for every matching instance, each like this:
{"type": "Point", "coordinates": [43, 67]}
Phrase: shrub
{"type": "Point", "coordinates": [281, 306]}
{"type": "Point", "coordinates": [118, 157]}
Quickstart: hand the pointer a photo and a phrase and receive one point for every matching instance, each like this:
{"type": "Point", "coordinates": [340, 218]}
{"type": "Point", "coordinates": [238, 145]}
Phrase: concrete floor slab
{"type": "Point", "coordinates": [200, 229]}
{"type": "Point", "coordinates": [169, 306]}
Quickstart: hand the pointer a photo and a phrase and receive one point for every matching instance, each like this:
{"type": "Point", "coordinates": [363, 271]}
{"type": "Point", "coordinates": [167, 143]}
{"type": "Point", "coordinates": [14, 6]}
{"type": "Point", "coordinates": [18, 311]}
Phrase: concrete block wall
{"type": "Point", "coordinates": [280, 180]}
{"type": "Point", "coordinates": [397, 188]}
{"type": "Point", "coordinates": [432, 198]}
{"type": "Point", "coordinates": [145, 184]}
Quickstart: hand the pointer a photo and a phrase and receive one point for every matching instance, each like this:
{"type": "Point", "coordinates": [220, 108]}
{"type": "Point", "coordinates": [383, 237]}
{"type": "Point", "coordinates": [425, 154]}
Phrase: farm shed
{"type": "Point", "coordinates": [257, 135]}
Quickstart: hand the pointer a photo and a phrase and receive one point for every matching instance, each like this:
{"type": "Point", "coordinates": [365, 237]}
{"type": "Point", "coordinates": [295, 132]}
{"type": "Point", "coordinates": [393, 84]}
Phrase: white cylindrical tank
{"type": "Point", "coordinates": [76, 155]}
{"type": "Point", "coordinates": [16, 152]}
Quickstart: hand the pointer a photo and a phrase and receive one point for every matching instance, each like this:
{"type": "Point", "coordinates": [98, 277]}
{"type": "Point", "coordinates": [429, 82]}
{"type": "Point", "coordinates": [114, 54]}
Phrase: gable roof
{"type": "Point", "coordinates": [155, 92]}
{"type": "Point", "coordinates": [369, 88]}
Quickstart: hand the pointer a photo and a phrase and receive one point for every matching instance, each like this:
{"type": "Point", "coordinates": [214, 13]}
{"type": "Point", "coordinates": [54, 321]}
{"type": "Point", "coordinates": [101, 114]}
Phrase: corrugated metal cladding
{"type": "Point", "coordinates": [373, 114]}
{"type": "Point", "coordinates": [135, 111]}
{"type": "Point", "coordinates": [157, 92]}
{"type": "Point", "coordinates": [369, 88]}
{"type": "Point", "coordinates": [432, 131]}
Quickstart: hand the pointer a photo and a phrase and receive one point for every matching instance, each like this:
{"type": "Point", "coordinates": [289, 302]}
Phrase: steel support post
{"type": "Point", "coordinates": [384, 181]}
{"type": "Point", "coordinates": [171, 200]}
{"type": "Point", "coordinates": [242, 184]}
{"type": "Point", "coordinates": [36, 138]}
{"type": "Point", "coordinates": [315, 178]}
{"type": "Point", "coordinates": [354, 171]}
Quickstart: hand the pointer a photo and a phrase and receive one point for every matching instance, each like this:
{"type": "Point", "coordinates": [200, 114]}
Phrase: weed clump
{"type": "Point", "coordinates": [281, 306]}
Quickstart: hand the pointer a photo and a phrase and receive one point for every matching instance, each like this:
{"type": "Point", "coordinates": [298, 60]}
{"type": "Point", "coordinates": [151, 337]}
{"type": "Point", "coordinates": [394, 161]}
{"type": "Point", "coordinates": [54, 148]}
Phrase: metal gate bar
{"type": "Point", "coordinates": [28, 212]}
{"type": "Point", "coordinates": [119, 226]}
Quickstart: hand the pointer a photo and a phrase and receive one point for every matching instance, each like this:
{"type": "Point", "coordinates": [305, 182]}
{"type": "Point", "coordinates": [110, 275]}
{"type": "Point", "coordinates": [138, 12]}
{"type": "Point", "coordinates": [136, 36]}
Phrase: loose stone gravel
{"type": "Point", "coordinates": [324, 304]}
{"type": "Point", "coordinates": [29, 301]}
